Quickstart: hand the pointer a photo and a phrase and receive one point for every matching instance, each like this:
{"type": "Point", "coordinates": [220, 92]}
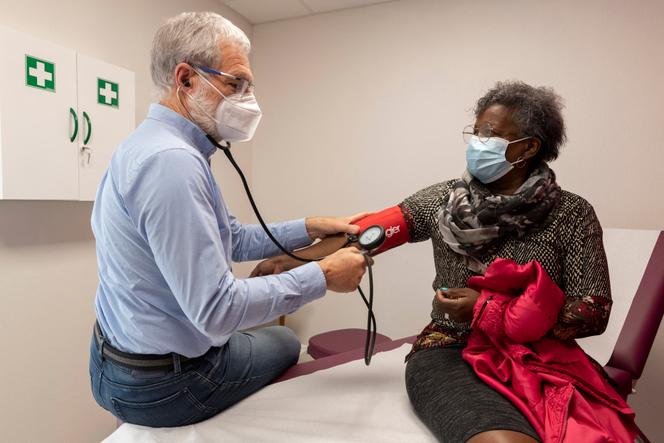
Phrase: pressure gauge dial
{"type": "Point", "coordinates": [372, 237]}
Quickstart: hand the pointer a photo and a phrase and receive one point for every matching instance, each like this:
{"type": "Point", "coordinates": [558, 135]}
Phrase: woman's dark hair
{"type": "Point", "coordinates": [536, 111]}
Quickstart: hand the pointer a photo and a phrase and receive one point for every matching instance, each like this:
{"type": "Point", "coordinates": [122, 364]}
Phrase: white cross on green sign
{"type": "Point", "coordinates": [108, 93]}
{"type": "Point", "coordinates": [39, 73]}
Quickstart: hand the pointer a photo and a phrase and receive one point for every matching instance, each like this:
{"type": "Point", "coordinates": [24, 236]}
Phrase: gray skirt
{"type": "Point", "coordinates": [453, 402]}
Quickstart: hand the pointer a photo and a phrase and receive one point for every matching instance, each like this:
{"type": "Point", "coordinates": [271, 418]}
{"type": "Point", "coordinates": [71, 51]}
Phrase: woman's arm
{"type": "Point", "coordinates": [417, 213]}
{"type": "Point", "coordinates": [283, 263]}
{"type": "Point", "coordinates": [391, 219]}
{"type": "Point", "coordinates": [585, 280]}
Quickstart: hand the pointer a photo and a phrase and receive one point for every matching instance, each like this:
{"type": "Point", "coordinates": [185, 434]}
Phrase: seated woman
{"type": "Point", "coordinates": [507, 204]}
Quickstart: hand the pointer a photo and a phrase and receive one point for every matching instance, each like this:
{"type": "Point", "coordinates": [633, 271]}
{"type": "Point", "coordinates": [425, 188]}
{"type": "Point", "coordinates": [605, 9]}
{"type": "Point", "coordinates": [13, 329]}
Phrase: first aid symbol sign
{"type": "Point", "coordinates": [108, 93]}
{"type": "Point", "coordinates": [39, 73]}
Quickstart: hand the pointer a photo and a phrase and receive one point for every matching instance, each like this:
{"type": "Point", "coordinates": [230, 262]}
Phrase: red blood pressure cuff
{"type": "Point", "coordinates": [394, 223]}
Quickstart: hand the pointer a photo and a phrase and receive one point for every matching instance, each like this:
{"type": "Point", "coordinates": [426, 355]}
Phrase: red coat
{"type": "Point", "coordinates": [552, 382]}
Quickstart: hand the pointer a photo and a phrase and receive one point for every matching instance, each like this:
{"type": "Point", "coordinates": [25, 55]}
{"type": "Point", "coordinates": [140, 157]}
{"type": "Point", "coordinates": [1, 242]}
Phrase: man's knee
{"type": "Point", "coordinates": [284, 342]}
{"type": "Point", "coordinates": [291, 341]}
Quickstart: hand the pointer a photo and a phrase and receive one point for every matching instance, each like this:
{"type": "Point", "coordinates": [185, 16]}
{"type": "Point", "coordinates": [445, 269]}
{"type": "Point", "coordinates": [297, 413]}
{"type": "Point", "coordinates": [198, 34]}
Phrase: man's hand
{"type": "Point", "coordinates": [321, 227]}
{"type": "Point", "coordinates": [344, 269]}
{"type": "Point", "coordinates": [457, 302]}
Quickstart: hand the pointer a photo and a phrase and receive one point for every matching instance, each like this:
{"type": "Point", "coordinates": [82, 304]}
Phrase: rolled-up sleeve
{"type": "Point", "coordinates": [176, 217]}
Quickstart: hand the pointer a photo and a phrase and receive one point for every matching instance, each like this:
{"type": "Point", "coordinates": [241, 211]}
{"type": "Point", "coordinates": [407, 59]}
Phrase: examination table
{"type": "Point", "coordinates": [338, 399]}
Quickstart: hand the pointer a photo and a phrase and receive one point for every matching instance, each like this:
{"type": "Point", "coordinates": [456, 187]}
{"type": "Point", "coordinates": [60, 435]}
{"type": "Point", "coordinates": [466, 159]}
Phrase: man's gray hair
{"type": "Point", "coordinates": [191, 37]}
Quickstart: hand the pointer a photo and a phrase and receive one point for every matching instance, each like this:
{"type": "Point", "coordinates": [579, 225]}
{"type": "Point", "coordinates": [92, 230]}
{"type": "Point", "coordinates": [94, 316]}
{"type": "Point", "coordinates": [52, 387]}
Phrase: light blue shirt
{"type": "Point", "coordinates": [165, 241]}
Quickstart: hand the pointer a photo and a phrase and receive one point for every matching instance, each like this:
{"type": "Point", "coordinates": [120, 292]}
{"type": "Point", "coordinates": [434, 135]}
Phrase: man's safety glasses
{"type": "Point", "coordinates": [240, 85]}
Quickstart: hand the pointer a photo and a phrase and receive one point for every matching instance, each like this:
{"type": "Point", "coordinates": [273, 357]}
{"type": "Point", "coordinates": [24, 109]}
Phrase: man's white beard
{"type": "Point", "coordinates": [203, 119]}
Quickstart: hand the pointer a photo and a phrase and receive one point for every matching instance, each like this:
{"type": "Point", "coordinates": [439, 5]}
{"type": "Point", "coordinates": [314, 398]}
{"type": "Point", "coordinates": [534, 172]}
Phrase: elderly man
{"type": "Point", "coordinates": [166, 350]}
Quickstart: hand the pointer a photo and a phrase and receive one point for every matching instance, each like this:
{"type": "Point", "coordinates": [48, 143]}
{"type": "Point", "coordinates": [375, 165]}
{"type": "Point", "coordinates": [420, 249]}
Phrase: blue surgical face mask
{"type": "Point", "coordinates": [486, 159]}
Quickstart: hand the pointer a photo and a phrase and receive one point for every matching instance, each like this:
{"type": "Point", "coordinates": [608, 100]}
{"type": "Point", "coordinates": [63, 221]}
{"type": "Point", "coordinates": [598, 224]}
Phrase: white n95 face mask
{"type": "Point", "coordinates": [486, 159]}
{"type": "Point", "coordinates": [237, 115]}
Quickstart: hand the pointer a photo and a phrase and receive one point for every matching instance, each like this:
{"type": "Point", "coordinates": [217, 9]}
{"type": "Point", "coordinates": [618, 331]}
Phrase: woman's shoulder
{"type": "Point", "coordinates": [420, 209]}
{"type": "Point", "coordinates": [571, 203]}
{"type": "Point", "coordinates": [576, 214]}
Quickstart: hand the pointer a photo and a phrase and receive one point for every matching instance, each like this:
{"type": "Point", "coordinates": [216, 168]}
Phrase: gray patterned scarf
{"type": "Point", "coordinates": [472, 219]}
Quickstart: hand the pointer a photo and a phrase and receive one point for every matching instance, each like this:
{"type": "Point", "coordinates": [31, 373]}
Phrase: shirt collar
{"type": "Point", "coordinates": [188, 129]}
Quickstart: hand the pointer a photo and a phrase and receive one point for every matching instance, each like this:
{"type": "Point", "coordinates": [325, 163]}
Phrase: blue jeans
{"type": "Point", "coordinates": [199, 389]}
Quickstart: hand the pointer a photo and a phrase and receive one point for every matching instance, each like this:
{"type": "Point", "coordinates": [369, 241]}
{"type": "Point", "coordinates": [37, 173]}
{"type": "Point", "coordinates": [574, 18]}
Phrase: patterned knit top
{"type": "Point", "coordinates": [569, 247]}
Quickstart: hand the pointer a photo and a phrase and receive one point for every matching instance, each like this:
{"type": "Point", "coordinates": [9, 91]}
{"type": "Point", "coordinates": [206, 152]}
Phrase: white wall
{"type": "Point", "coordinates": [48, 271]}
{"type": "Point", "coordinates": [363, 107]}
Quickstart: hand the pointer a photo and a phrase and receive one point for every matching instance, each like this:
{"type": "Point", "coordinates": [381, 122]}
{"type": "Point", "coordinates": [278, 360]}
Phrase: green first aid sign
{"type": "Point", "coordinates": [108, 93]}
{"type": "Point", "coordinates": [39, 73]}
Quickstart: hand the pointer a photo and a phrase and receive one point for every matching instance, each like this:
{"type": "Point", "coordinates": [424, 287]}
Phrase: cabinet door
{"type": "Point", "coordinates": [37, 90]}
{"type": "Point", "coordinates": [107, 115]}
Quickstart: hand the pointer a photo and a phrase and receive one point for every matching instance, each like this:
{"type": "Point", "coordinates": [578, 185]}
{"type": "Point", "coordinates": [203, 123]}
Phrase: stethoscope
{"type": "Point", "coordinates": [369, 240]}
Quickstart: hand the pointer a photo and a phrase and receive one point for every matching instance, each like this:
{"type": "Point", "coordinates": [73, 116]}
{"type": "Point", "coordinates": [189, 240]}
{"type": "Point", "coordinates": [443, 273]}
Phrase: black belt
{"type": "Point", "coordinates": [138, 361]}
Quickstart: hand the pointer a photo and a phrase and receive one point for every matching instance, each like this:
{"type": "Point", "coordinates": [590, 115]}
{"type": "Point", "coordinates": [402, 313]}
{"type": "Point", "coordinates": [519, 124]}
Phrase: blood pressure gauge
{"type": "Point", "coordinates": [372, 237]}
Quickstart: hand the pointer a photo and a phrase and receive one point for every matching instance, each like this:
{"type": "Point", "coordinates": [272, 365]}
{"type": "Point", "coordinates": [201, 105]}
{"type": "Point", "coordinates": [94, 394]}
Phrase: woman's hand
{"type": "Point", "coordinates": [321, 227]}
{"type": "Point", "coordinates": [457, 302]}
{"type": "Point", "coordinates": [274, 265]}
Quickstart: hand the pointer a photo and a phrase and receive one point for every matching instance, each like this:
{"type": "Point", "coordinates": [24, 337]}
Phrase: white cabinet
{"type": "Point", "coordinates": [37, 91]}
{"type": "Point", "coordinates": [107, 112]}
{"type": "Point", "coordinates": [61, 116]}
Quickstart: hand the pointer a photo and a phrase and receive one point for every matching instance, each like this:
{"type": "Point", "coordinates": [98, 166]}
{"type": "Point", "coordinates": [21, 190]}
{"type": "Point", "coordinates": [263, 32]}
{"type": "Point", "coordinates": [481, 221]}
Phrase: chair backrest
{"type": "Point", "coordinates": [628, 252]}
{"type": "Point", "coordinates": [644, 317]}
